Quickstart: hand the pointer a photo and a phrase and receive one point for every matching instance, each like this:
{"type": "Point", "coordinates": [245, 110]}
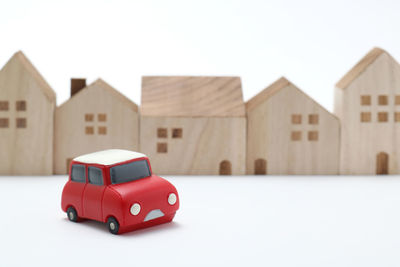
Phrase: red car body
{"type": "Point", "coordinates": [106, 201]}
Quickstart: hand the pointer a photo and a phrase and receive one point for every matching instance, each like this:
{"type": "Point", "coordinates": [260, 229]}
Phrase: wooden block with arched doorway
{"type": "Point", "coordinates": [260, 167]}
{"type": "Point", "coordinates": [225, 167]}
{"type": "Point", "coordinates": [382, 163]}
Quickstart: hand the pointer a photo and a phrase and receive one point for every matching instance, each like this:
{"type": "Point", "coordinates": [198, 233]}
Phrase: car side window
{"type": "Point", "coordinates": [78, 173]}
{"type": "Point", "coordinates": [95, 175]}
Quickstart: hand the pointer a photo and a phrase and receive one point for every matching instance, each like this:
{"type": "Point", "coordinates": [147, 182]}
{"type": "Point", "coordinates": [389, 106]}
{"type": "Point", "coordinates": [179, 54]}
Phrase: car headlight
{"type": "Point", "coordinates": [172, 199]}
{"type": "Point", "coordinates": [135, 209]}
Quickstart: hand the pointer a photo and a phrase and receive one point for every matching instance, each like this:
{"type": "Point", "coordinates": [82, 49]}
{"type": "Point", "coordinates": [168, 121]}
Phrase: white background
{"type": "Point", "coordinates": [241, 221]}
{"type": "Point", "coordinates": [223, 221]}
{"type": "Point", "coordinates": [311, 42]}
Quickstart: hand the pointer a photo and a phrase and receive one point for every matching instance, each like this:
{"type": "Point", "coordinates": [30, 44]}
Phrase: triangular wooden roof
{"type": "Point", "coordinates": [101, 83]}
{"type": "Point", "coordinates": [274, 88]}
{"type": "Point", "coordinates": [360, 67]}
{"type": "Point", "coordinates": [44, 86]}
{"type": "Point", "coordinates": [192, 96]}
{"type": "Point", "coordinates": [266, 93]}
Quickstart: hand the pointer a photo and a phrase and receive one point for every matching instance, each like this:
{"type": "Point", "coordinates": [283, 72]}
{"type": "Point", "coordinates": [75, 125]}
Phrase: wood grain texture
{"type": "Point", "coordinates": [205, 143]}
{"type": "Point", "coordinates": [27, 141]}
{"type": "Point", "coordinates": [98, 117]}
{"type": "Point", "coordinates": [362, 142]}
{"type": "Point", "coordinates": [282, 129]}
{"type": "Point", "coordinates": [359, 68]}
{"type": "Point", "coordinates": [180, 96]}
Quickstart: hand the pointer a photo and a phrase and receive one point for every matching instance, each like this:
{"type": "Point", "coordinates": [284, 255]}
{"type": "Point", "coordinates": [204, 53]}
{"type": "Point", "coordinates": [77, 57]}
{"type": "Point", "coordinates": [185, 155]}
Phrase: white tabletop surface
{"type": "Point", "coordinates": [223, 221]}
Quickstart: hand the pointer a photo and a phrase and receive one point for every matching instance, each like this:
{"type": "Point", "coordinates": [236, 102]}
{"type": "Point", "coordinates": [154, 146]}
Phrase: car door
{"type": "Point", "coordinates": [93, 194]}
{"type": "Point", "coordinates": [76, 187]}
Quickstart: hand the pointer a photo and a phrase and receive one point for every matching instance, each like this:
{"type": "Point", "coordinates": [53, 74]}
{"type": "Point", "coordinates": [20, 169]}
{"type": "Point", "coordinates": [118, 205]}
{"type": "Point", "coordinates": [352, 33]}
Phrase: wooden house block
{"type": "Point", "coordinates": [193, 125]}
{"type": "Point", "coordinates": [96, 117]}
{"type": "Point", "coordinates": [290, 133]}
{"type": "Point", "coordinates": [27, 106]}
{"type": "Point", "coordinates": [367, 101]}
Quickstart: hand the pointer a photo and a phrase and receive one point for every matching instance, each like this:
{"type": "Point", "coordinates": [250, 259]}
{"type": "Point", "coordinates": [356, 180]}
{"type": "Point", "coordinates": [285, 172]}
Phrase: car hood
{"type": "Point", "coordinates": [149, 186]}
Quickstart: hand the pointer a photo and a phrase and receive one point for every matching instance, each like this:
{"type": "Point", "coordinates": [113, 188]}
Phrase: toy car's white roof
{"type": "Point", "coordinates": [109, 157]}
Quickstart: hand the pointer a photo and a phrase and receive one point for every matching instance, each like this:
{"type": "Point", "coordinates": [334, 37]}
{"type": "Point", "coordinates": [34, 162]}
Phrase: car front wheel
{"type": "Point", "coordinates": [72, 214]}
{"type": "Point", "coordinates": [113, 225]}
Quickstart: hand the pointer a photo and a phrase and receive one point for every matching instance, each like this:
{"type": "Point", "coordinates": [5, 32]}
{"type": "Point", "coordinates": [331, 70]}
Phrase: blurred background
{"type": "Point", "coordinates": [312, 43]}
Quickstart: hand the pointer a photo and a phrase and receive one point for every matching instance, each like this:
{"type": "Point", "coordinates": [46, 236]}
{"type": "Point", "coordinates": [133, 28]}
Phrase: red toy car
{"type": "Point", "coordinates": [117, 187]}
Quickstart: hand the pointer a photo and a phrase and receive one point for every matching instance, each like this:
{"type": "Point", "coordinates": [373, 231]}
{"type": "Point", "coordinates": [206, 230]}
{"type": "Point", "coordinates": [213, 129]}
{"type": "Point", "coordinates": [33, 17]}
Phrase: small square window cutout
{"type": "Point", "coordinates": [21, 105]}
{"type": "Point", "coordinates": [162, 148]}
{"type": "Point", "coordinates": [313, 119]}
{"type": "Point", "coordinates": [3, 105]}
{"type": "Point", "coordinates": [21, 122]}
{"type": "Point", "coordinates": [102, 117]}
{"type": "Point", "coordinates": [177, 133]}
{"type": "Point", "coordinates": [296, 118]}
{"type": "Point", "coordinates": [365, 116]}
{"type": "Point", "coordinates": [382, 116]}
{"type": "Point", "coordinates": [312, 136]}
{"type": "Point", "coordinates": [365, 100]}
{"type": "Point", "coordinates": [162, 133]}
{"type": "Point", "coordinates": [102, 130]}
{"type": "Point", "coordinates": [89, 117]}
{"type": "Point", "coordinates": [296, 136]}
{"type": "Point", "coordinates": [4, 123]}
{"type": "Point", "coordinates": [89, 130]}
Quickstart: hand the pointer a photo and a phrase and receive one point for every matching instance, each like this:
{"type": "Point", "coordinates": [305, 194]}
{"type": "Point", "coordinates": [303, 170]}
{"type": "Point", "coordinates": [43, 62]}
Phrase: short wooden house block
{"type": "Point", "coordinates": [27, 106]}
{"type": "Point", "coordinates": [96, 117]}
{"type": "Point", "coordinates": [290, 133]}
{"type": "Point", "coordinates": [367, 101]}
{"type": "Point", "coordinates": [193, 125]}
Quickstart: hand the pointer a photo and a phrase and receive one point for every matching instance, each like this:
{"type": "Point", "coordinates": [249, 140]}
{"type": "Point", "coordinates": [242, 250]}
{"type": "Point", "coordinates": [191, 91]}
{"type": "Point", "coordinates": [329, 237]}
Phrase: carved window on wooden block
{"type": "Point", "coordinates": [313, 119]}
{"type": "Point", "coordinates": [177, 133]}
{"type": "Point", "coordinates": [4, 123]}
{"type": "Point", "coordinates": [382, 116]}
{"type": "Point", "coordinates": [162, 133]}
{"type": "Point", "coordinates": [397, 100]}
{"type": "Point", "coordinates": [89, 130]}
{"type": "Point", "coordinates": [21, 123]}
{"type": "Point", "coordinates": [296, 136]}
{"type": "Point", "coordinates": [397, 116]}
{"type": "Point", "coordinates": [162, 147]}
{"type": "Point", "coordinates": [296, 118]}
{"type": "Point", "coordinates": [21, 105]}
{"type": "Point", "coordinates": [383, 100]}
{"type": "Point", "coordinates": [3, 105]}
{"type": "Point", "coordinates": [260, 167]}
{"type": "Point", "coordinates": [365, 116]}
{"type": "Point", "coordinates": [365, 100]}
{"type": "Point", "coordinates": [102, 130]}
{"type": "Point", "coordinates": [313, 136]}
{"type": "Point", "coordinates": [89, 117]}
{"type": "Point", "coordinates": [225, 167]}
{"type": "Point", "coordinates": [102, 117]}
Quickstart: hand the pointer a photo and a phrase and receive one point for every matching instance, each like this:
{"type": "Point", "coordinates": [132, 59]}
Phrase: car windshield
{"type": "Point", "coordinates": [129, 172]}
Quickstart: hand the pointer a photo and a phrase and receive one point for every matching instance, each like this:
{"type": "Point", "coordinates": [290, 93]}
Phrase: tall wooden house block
{"type": "Point", "coordinates": [96, 117]}
{"type": "Point", "coordinates": [290, 133]}
{"type": "Point", "coordinates": [193, 125]}
{"type": "Point", "coordinates": [27, 106]}
{"type": "Point", "coordinates": [367, 101]}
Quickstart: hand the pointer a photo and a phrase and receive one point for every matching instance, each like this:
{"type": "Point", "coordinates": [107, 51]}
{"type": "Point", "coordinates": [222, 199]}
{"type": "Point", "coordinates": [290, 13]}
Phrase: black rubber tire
{"type": "Point", "coordinates": [113, 225]}
{"type": "Point", "coordinates": [72, 214]}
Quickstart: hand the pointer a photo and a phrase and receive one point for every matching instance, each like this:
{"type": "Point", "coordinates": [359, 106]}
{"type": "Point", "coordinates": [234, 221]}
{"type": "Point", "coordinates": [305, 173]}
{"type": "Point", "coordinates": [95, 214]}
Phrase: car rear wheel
{"type": "Point", "coordinates": [72, 214]}
{"type": "Point", "coordinates": [113, 225]}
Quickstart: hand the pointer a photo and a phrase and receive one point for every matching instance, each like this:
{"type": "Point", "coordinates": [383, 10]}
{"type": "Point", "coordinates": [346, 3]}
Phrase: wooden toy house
{"type": "Point", "coordinates": [193, 125]}
{"type": "Point", "coordinates": [290, 133]}
{"type": "Point", "coordinates": [367, 101]}
{"type": "Point", "coordinates": [96, 117]}
{"type": "Point", "coordinates": [27, 106]}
